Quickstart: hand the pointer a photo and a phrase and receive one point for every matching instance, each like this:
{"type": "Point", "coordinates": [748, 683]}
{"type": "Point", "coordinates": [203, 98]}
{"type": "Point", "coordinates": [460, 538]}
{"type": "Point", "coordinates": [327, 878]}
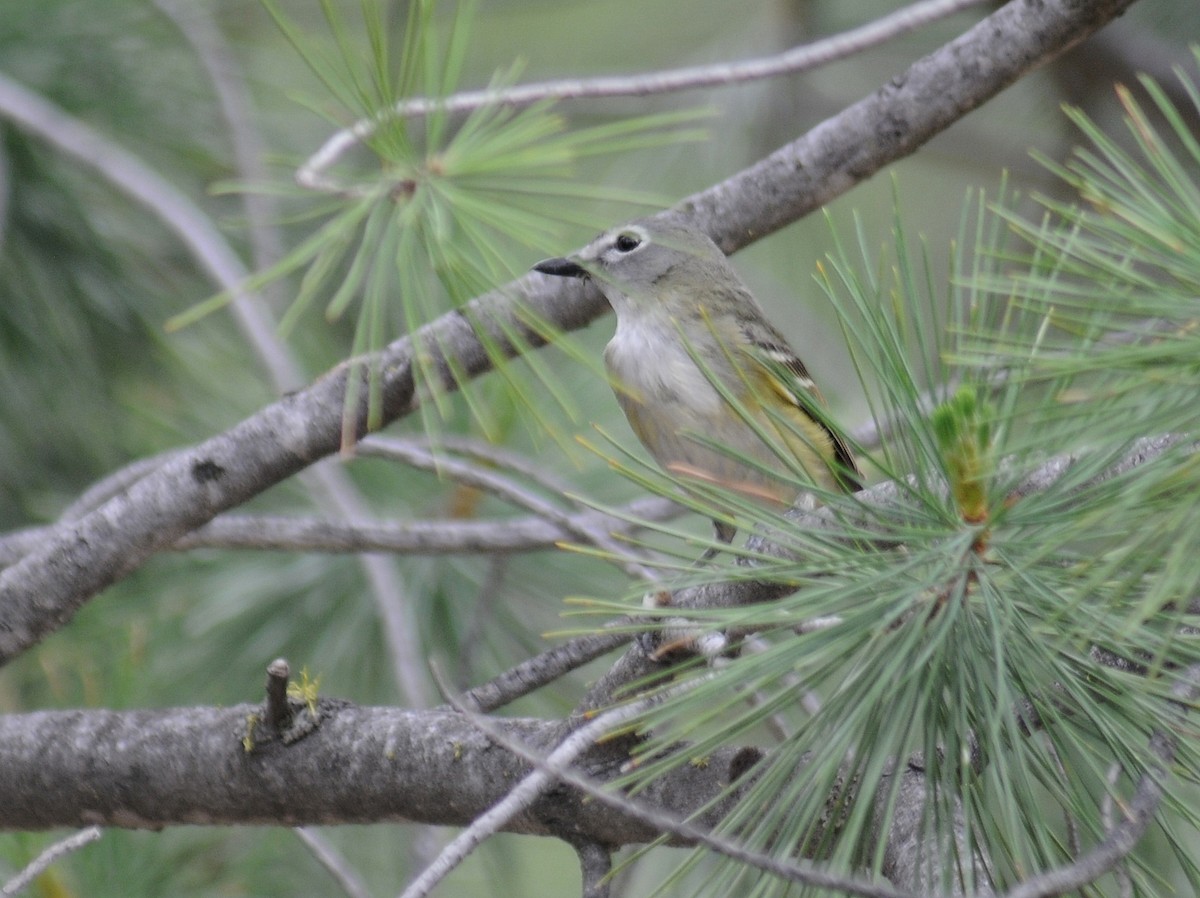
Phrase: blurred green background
{"type": "Point", "coordinates": [90, 380]}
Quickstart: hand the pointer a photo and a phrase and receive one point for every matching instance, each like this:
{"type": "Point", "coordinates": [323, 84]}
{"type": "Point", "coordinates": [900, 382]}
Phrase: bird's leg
{"type": "Point", "coordinates": [724, 533]}
{"type": "Point", "coordinates": [686, 638]}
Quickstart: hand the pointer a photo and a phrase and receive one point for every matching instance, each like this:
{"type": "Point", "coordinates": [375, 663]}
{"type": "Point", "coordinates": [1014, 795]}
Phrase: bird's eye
{"type": "Point", "coordinates": [627, 243]}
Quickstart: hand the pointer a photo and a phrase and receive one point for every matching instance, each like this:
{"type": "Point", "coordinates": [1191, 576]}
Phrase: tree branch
{"type": "Point", "coordinates": [546, 667]}
{"type": "Point", "coordinates": [147, 769]}
{"type": "Point", "coordinates": [504, 487]}
{"type": "Point", "coordinates": [277, 533]}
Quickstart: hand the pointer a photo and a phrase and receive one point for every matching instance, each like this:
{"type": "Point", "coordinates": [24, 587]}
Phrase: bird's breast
{"type": "Point", "coordinates": [653, 368]}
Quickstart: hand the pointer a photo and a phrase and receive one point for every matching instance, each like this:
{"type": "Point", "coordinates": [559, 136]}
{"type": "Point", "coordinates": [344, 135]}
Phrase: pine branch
{"type": "Point", "coordinates": [312, 173]}
{"type": "Point", "coordinates": [740, 592]}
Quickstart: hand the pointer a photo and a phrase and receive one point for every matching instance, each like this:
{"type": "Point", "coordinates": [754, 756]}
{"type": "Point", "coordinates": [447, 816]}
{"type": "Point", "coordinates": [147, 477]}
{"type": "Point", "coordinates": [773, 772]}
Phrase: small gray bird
{"type": "Point", "coordinates": [709, 386]}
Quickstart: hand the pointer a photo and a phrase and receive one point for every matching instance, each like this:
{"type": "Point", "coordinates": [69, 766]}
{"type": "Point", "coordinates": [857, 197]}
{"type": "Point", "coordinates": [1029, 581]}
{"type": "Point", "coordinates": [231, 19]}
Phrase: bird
{"type": "Point", "coordinates": [709, 386]}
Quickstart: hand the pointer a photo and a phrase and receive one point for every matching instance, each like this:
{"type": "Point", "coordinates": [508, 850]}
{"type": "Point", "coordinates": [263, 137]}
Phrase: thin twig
{"type": "Point", "coordinates": [333, 861]}
{"type": "Point", "coordinates": [196, 23]}
{"type": "Point", "coordinates": [1107, 820]}
{"type": "Point", "coordinates": [526, 792]}
{"type": "Point", "coordinates": [504, 487]}
{"type": "Point", "coordinates": [505, 459]}
{"type": "Point", "coordinates": [798, 59]}
{"type": "Point", "coordinates": [421, 537]}
{"type": "Point", "coordinates": [42, 862]}
{"type": "Point", "coordinates": [419, 454]}
{"type": "Point", "coordinates": [558, 768]}
{"type": "Point", "coordinates": [536, 672]}
{"type": "Point", "coordinates": [1137, 813]}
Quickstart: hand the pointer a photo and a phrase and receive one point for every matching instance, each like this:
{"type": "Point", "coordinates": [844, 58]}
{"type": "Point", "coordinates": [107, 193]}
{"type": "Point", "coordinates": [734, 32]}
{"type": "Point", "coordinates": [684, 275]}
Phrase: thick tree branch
{"type": "Point", "coordinates": [147, 769]}
{"type": "Point", "coordinates": [44, 590]}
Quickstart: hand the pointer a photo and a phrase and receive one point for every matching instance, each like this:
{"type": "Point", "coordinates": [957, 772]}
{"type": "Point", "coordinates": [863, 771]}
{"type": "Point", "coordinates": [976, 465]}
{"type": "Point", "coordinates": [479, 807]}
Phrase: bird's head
{"type": "Point", "coordinates": [641, 264]}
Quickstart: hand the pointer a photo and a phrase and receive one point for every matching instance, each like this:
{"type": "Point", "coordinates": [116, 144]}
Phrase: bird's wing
{"type": "Point", "coordinates": [791, 381]}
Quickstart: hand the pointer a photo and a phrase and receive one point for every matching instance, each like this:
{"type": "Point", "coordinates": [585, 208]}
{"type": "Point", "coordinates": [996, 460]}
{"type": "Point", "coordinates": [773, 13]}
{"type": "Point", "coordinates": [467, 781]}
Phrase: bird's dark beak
{"type": "Point", "coordinates": [563, 268]}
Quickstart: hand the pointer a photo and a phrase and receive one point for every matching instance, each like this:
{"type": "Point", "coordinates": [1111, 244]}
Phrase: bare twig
{"type": "Point", "coordinates": [278, 712]}
{"type": "Point", "coordinates": [595, 863]}
{"type": "Point", "coordinates": [1136, 815]}
{"type": "Point", "coordinates": [556, 767]}
{"type": "Point", "coordinates": [498, 485]}
{"type": "Point", "coordinates": [196, 23]}
{"type": "Point", "coordinates": [333, 861]}
{"type": "Point", "coordinates": [312, 173]}
{"type": "Point", "coordinates": [505, 459]}
{"type": "Point", "coordinates": [43, 861]}
{"type": "Point", "coordinates": [526, 792]}
{"type": "Point", "coordinates": [1107, 820]}
{"type": "Point", "coordinates": [424, 537]}
{"type": "Point", "coordinates": [546, 667]}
